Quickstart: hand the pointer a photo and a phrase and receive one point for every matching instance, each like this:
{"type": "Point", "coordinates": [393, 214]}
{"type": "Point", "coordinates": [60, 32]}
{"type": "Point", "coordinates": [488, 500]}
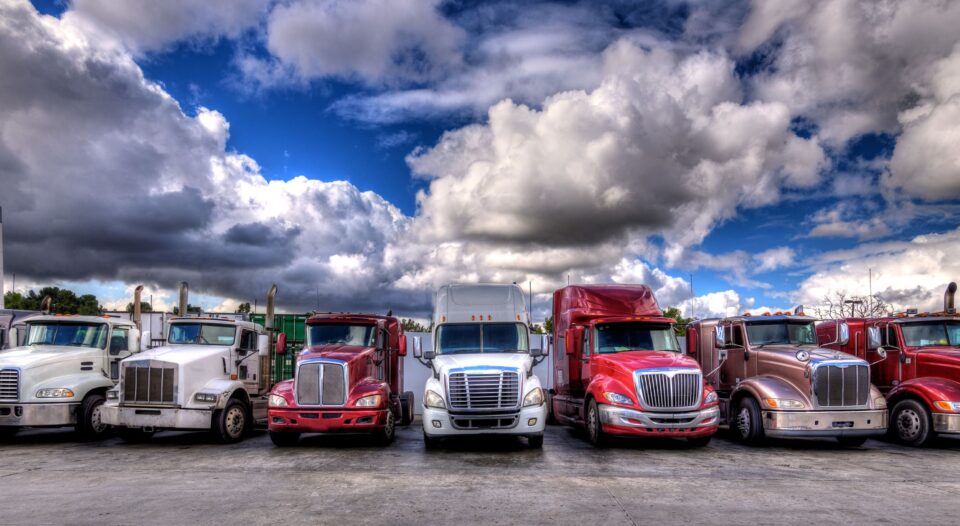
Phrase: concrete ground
{"type": "Point", "coordinates": [183, 478]}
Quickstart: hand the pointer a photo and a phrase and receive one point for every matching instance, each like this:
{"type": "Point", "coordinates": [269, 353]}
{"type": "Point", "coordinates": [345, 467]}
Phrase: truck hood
{"type": "Point", "coordinates": [445, 363]}
{"type": "Point", "coordinates": [39, 355]}
{"type": "Point", "coordinates": [817, 354]}
{"type": "Point", "coordinates": [633, 360]}
{"type": "Point", "coordinates": [939, 361]}
{"type": "Point", "coordinates": [181, 354]}
{"type": "Point", "coordinates": [344, 353]}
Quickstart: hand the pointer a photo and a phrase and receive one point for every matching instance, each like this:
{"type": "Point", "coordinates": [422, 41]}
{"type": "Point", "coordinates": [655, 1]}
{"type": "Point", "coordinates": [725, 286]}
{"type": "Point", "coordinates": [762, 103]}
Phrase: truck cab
{"type": "Point", "coordinates": [211, 374]}
{"type": "Point", "coordinates": [774, 380]}
{"type": "Point", "coordinates": [349, 378]}
{"type": "Point", "coordinates": [915, 362]}
{"type": "Point", "coordinates": [481, 361]}
{"type": "Point", "coordinates": [618, 368]}
{"type": "Point", "coordinates": [61, 373]}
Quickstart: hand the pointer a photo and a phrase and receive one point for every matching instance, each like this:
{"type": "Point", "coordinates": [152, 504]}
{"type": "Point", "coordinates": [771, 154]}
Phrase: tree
{"type": "Point", "coordinates": [64, 301]}
{"type": "Point", "coordinates": [840, 305]}
{"type": "Point", "coordinates": [190, 308]}
{"type": "Point", "coordinates": [243, 308]}
{"type": "Point", "coordinates": [548, 325]}
{"type": "Point", "coordinates": [536, 328]}
{"type": "Point", "coordinates": [681, 327]}
{"type": "Point", "coordinates": [410, 325]}
{"type": "Point", "coordinates": [144, 307]}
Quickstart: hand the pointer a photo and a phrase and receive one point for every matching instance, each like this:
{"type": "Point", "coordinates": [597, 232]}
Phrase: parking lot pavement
{"type": "Point", "coordinates": [185, 478]}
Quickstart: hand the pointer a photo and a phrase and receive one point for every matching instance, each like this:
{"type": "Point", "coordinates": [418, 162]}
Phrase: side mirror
{"type": "Point", "coordinates": [145, 340]}
{"type": "Point", "coordinates": [263, 344]}
{"type": "Point", "coordinates": [544, 345]}
{"type": "Point", "coordinates": [843, 334]}
{"type": "Point", "coordinates": [722, 356]}
{"type": "Point", "coordinates": [429, 355]}
{"type": "Point", "coordinates": [719, 336]}
{"type": "Point", "coordinates": [417, 348]}
{"type": "Point", "coordinates": [536, 353]}
{"type": "Point", "coordinates": [282, 343]}
{"type": "Point", "coordinates": [873, 338]}
{"type": "Point", "coordinates": [133, 341]}
{"type": "Point", "coordinates": [573, 338]}
{"type": "Point", "coordinates": [402, 351]}
{"type": "Point", "coordinates": [882, 353]}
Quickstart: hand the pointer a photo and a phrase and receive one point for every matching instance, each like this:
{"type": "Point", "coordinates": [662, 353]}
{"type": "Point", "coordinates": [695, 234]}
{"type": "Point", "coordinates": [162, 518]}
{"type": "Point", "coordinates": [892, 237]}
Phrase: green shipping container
{"type": "Point", "coordinates": [293, 325]}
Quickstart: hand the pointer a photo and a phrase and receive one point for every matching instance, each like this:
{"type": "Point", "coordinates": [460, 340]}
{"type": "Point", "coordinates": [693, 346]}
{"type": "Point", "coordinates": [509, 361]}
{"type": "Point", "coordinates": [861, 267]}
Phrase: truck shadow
{"type": "Point", "coordinates": [632, 443]}
{"type": "Point", "coordinates": [481, 444]}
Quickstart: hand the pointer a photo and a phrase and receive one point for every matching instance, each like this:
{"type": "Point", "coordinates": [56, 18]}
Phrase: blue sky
{"type": "Point", "coordinates": [394, 103]}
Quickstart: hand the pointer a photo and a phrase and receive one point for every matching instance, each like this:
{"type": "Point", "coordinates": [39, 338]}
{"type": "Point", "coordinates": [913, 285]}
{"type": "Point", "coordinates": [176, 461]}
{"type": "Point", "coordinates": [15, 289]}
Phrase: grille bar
{"type": "Point", "coordinates": [321, 384]}
{"type": "Point", "coordinates": [149, 385]}
{"type": "Point", "coordinates": [10, 385]}
{"type": "Point", "coordinates": [841, 385]}
{"type": "Point", "coordinates": [489, 391]}
{"type": "Point", "coordinates": [669, 389]}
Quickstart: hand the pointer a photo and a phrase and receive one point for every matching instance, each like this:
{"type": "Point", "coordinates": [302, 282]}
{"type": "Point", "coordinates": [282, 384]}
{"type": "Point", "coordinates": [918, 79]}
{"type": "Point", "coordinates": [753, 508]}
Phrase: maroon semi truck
{"type": "Point", "coordinates": [619, 370]}
{"type": "Point", "coordinates": [915, 362]}
{"type": "Point", "coordinates": [349, 378]}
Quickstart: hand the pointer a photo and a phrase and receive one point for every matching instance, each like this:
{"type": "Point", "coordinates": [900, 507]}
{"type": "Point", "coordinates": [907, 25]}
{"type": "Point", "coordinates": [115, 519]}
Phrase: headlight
{"type": "Point", "coordinates": [945, 405]}
{"type": "Point", "coordinates": [369, 401]}
{"type": "Point", "coordinates": [59, 392]}
{"type": "Point", "coordinates": [881, 403]}
{"type": "Point", "coordinates": [113, 395]}
{"type": "Point", "coordinates": [782, 403]}
{"type": "Point", "coordinates": [534, 397]}
{"type": "Point", "coordinates": [205, 397]}
{"type": "Point", "coordinates": [618, 398]}
{"type": "Point", "coordinates": [711, 398]}
{"type": "Point", "coordinates": [276, 401]}
{"type": "Point", "coordinates": [432, 399]}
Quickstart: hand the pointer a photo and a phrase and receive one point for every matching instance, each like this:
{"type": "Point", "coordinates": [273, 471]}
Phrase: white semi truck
{"type": "Point", "coordinates": [61, 373]}
{"type": "Point", "coordinates": [482, 364]}
{"type": "Point", "coordinates": [211, 374]}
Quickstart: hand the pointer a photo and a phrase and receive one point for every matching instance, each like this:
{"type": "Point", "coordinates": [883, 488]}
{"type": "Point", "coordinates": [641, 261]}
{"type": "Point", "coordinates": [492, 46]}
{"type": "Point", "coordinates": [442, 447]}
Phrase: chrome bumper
{"type": "Point", "coordinates": [946, 424]}
{"type": "Point", "coordinates": [824, 423]}
{"type": "Point", "coordinates": [38, 415]}
{"type": "Point", "coordinates": [621, 416]}
{"type": "Point", "coordinates": [156, 417]}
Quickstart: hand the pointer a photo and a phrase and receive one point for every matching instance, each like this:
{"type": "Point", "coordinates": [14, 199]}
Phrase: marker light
{"type": "Point", "coordinates": [59, 392]}
{"type": "Point", "coordinates": [945, 405]}
{"type": "Point", "coordinates": [780, 403]}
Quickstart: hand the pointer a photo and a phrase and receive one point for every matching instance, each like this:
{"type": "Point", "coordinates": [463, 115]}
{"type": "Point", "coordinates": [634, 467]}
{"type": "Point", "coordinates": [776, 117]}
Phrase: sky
{"type": "Point", "coordinates": [739, 155]}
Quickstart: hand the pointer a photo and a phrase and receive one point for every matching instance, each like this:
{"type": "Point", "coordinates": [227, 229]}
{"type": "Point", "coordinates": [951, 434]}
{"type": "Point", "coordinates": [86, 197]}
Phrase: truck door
{"type": "Point", "coordinates": [249, 366]}
{"type": "Point", "coordinates": [734, 369]}
{"type": "Point", "coordinates": [585, 358]}
{"type": "Point", "coordinates": [119, 349]}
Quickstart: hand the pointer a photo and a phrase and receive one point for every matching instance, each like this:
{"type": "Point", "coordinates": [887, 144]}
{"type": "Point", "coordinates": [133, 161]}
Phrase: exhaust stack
{"type": "Point", "coordinates": [948, 298]}
{"type": "Point", "coordinates": [46, 305]}
{"type": "Point", "coordinates": [266, 379]}
{"type": "Point", "coordinates": [184, 291]}
{"type": "Point", "coordinates": [136, 305]}
{"type": "Point", "coordinates": [1, 258]}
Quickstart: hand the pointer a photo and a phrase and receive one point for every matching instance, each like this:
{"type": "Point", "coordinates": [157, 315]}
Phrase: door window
{"type": "Point", "coordinates": [248, 341]}
{"type": "Point", "coordinates": [738, 335]}
{"type": "Point", "coordinates": [119, 341]}
{"type": "Point", "coordinates": [586, 343]}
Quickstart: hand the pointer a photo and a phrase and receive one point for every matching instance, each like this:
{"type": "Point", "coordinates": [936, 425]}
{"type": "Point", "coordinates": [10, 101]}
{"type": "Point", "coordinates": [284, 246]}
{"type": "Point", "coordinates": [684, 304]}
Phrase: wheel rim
{"type": "Point", "coordinates": [592, 422]}
{"type": "Point", "coordinates": [743, 422]}
{"type": "Point", "coordinates": [96, 422]}
{"type": "Point", "coordinates": [235, 422]}
{"type": "Point", "coordinates": [908, 424]}
{"type": "Point", "coordinates": [389, 428]}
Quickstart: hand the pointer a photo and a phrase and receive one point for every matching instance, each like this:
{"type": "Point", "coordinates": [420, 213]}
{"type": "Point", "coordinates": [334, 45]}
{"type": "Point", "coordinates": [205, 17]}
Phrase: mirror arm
{"type": "Point", "coordinates": [719, 365]}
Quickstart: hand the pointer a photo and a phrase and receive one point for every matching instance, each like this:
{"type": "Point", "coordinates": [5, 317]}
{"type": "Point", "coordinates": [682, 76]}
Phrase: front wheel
{"type": "Point", "coordinates": [747, 426]}
{"type": "Point", "coordinates": [388, 432]}
{"type": "Point", "coordinates": [89, 424]}
{"type": "Point", "coordinates": [594, 427]}
{"type": "Point", "coordinates": [284, 438]}
{"type": "Point", "coordinates": [232, 423]}
{"type": "Point", "coordinates": [911, 424]}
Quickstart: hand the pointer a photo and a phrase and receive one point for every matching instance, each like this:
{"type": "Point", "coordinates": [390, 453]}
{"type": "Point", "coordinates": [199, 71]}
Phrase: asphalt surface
{"type": "Point", "coordinates": [184, 478]}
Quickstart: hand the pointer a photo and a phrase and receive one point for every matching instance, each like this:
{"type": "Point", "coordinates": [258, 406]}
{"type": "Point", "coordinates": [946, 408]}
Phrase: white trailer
{"type": "Point", "coordinates": [481, 361]}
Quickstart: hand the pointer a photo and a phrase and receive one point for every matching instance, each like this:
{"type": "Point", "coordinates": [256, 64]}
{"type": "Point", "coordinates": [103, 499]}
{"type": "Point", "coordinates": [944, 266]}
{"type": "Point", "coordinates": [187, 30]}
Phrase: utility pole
{"type": "Point", "coordinates": [693, 304]}
{"type": "Point", "coordinates": [530, 297]}
{"type": "Point", "coordinates": [870, 297]}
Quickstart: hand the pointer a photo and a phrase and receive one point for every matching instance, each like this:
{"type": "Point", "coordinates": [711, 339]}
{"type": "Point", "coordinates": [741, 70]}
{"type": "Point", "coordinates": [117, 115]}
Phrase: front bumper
{"type": "Point", "coordinates": [39, 415]}
{"type": "Point", "coordinates": [824, 423]}
{"type": "Point", "coordinates": [156, 417]}
{"type": "Point", "coordinates": [529, 421]}
{"type": "Point", "coordinates": [329, 420]}
{"type": "Point", "coordinates": [618, 420]}
{"type": "Point", "coordinates": [946, 423]}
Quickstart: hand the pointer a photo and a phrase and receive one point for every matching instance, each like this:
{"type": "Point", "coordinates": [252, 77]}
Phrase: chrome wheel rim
{"type": "Point", "coordinates": [96, 423]}
{"type": "Point", "coordinates": [235, 422]}
{"type": "Point", "coordinates": [908, 424]}
{"type": "Point", "coordinates": [592, 422]}
{"type": "Point", "coordinates": [743, 422]}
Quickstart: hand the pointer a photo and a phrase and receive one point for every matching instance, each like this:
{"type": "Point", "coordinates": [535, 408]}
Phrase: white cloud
{"type": "Point", "coordinates": [713, 305]}
{"type": "Point", "coordinates": [774, 259]}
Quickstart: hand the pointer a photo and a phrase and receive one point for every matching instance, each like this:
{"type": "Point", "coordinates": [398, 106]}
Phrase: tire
{"type": "Point", "coordinates": [385, 435]}
{"type": "Point", "coordinates": [746, 425]}
{"type": "Point", "coordinates": [910, 423]}
{"type": "Point", "coordinates": [852, 441]}
{"type": "Point", "coordinates": [89, 426]}
{"type": "Point", "coordinates": [406, 408]}
{"type": "Point", "coordinates": [284, 438]}
{"type": "Point", "coordinates": [699, 441]}
{"type": "Point", "coordinates": [594, 427]}
{"type": "Point", "coordinates": [535, 442]}
{"type": "Point", "coordinates": [231, 423]}
{"type": "Point", "coordinates": [551, 419]}
{"type": "Point", "coordinates": [430, 442]}
{"type": "Point", "coordinates": [134, 435]}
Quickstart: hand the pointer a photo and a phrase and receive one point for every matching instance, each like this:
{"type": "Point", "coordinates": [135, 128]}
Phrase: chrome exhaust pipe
{"type": "Point", "coordinates": [948, 298]}
{"type": "Point", "coordinates": [266, 362]}
{"type": "Point", "coordinates": [136, 305]}
{"type": "Point", "coordinates": [184, 291]}
{"type": "Point", "coordinates": [46, 305]}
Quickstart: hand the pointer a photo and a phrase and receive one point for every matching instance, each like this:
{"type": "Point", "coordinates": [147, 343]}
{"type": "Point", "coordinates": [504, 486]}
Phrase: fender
{"type": "Point", "coordinates": [603, 383]}
{"type": "Point", "coordinates": [928, 389]}
{"type": "Point", "coordinates": [80, 383]}
{"type": "Point", "coordinates": [763, 387]}
{"type": "Point", "coordinates": [366, 387]}
{"type": "Point", "coordinates": [225, 387]}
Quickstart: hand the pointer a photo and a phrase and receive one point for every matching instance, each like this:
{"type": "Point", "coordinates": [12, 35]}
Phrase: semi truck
{"type": "Point", "coordinates": [60, 374]}
{"type": "Point", "coordinates": [773, 380]}
{"type": "Point", "coordinates": [915, 362]}
{"type": "Point", "coordinates": [619, 370]}
{"type": "Point", "coordinates": [211, 374]}
{"type": "Point", "coordinates": [348, 379]}
{"type": "Point", "coordinates": [481, 363]}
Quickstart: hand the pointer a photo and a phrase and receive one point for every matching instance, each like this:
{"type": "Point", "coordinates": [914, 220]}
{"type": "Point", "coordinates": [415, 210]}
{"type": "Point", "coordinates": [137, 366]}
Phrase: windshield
{"type": "Point", "coordinates": [925, 334]}
{"type": "Point", "coordinates": [619, 337]}
{"type": "Point", "coordinates": [67, 334]}
{"type": "Point", "coordinates": [202, 334]}
{"type": "Point", "coordinates": [468, 338]}
{"type": "Point", "coordinates": [342, 333]}
{"type": "Point", "coordinates": [793, 333]}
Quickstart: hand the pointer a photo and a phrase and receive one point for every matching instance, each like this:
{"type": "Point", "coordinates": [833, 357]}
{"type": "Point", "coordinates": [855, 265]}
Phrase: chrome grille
{"type": "Point", "coordinates": [9, 385]}
{"type": "Point", "coordinates": [670, 389]}
{"type": "Point", "coordinates": [321, 383]}
{"type": "Point", "coordinates": [149, 385]}
{"type": "Point", "coordinates": [841, 385]}
{"type": "Point", "coordinates": [490, 391]}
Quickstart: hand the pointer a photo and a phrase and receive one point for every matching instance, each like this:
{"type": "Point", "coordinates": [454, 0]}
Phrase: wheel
{"type": "Point", "coordinates": [594, 427]}
{"type": "Point", "coordinates": [232, 423]}
{"type": "Point", "coordinates": [747, 426]}
{"type": "Point", "coordinates": [551, 419]}
{"type": "Point", "coordinates": [134, 435]}
{"type": "Point", "coordinates": [910, 423]}
{"type": "Point", "coordinates": [284, 438]}
{"type": "Point", "coordinates": [535, 442]}
{"type": "Point", "coordinates": [851, 441]}
{"type": "Point", "coordinates": [89, 425]}
{"type": "Point", "coordinates": [386, 434]}
{"type": "Point", "coordinates": [430, 442]}
{"type": "Point", "coordinates": [406, 408]}
{"type": "Point", "coordinates": [699, 441]}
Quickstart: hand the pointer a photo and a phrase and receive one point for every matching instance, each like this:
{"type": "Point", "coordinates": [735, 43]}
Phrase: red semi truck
{"type": "Point", "coordinates": [915, 362]}
{"type": "Point", "coordinates": [619, 370]}
{"type": "Point", "coordinates": [349, 378]}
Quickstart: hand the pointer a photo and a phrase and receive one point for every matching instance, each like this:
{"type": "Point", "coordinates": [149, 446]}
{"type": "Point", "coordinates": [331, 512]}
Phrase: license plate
{"type": "Point", "coordinates": [843, 424]}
